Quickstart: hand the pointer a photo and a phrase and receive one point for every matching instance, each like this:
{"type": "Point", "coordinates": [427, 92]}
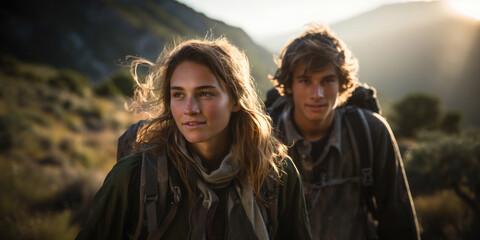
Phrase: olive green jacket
{"type": "Point", "coordinates": [117, 203]}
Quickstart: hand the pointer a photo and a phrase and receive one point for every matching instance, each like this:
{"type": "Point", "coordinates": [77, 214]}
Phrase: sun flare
{"type": "Point", "coordinates": [469, 8]}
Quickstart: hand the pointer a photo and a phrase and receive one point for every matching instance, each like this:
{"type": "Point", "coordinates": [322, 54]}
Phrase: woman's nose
{"type": "Point", "coordinates": [191, 106]}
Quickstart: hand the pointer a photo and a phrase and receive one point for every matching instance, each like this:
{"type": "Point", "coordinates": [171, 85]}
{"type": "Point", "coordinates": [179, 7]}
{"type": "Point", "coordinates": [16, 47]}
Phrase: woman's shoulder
{"type": "Point", "coordinates": [288, 168]}
{"type": "Point", "coordinates": [125, 168]}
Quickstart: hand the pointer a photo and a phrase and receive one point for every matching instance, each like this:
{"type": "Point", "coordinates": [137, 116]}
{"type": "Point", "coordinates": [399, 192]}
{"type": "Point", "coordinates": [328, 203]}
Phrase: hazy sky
{"type": "Point", "coordinates": [266, 18]}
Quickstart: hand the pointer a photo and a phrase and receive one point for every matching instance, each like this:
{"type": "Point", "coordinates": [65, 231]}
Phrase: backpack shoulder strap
{"type": "Point", "coordinates": [154, 183]}
{"type": "Point", "coordinates": [271, 197]}
{"type": "Point", "coordinates": [363, 140]}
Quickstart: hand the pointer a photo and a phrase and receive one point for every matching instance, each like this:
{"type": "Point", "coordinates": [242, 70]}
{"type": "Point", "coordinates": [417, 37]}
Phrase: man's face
{"type": "Point", "coordinates": [314, 95]}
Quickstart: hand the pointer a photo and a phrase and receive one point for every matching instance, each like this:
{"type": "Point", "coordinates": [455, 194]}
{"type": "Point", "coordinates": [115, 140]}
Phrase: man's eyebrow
{"type": "Point", "coordinates": [197, 88]}
{"type": "Point", "coordinates": [331, 75]}
{"type": "Point", "coordinates": [302, 76]}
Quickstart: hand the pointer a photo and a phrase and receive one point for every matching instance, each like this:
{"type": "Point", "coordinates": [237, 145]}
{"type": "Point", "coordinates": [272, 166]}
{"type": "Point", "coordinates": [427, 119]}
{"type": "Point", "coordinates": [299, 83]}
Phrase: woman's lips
{"type": "Point", "coordinates": [193, 124]}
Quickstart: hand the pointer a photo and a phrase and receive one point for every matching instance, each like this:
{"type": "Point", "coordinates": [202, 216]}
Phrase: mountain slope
{"type": "Point", "coordinates": [92, 36]}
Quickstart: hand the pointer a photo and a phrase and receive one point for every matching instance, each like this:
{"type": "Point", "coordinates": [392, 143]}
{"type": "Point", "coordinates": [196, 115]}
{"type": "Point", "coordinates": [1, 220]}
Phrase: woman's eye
{"type": "Point", "coordinates": [177, 95]}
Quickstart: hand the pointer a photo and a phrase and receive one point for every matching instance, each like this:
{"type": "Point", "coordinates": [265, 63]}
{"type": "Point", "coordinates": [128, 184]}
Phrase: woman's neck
{"type": "Point", "coordinates": [210, 154]}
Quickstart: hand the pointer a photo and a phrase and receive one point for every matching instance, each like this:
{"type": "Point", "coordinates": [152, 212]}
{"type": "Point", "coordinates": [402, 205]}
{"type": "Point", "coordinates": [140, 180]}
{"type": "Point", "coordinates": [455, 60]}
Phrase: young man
{"type": "Point", "coordinates": [316, 75]}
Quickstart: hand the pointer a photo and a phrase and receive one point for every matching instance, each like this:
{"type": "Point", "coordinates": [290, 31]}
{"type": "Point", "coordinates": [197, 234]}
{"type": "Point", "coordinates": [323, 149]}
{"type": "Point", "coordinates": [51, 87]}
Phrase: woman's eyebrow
{"type": "Point", "coordinates": [175, 88]}
{"type": "Point", "coordinates": [205, 87]}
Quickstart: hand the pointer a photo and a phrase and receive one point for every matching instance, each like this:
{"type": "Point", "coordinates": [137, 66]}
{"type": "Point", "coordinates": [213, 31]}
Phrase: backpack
{"type": "Point", "coordinates": [363, 97]}
{"type": "Point", "coordinates": [156, 181]}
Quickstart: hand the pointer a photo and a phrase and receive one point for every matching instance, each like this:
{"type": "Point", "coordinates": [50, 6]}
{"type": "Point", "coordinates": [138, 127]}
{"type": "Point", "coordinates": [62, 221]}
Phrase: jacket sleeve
{"type": "Point", "coordinates": [111, 205]}
{"type": "Point", "coordinates": [395, 210]}
{"type": "Point", "coordinates": [293, 220]}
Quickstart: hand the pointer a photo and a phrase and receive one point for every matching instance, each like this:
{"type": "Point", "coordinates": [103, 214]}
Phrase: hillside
{"type": "Point", "coordinates": [92, 36]}
{"type": "Point", "coordinates": [416, 47]}
{"type": "Point", "coordinates": [57, 144]}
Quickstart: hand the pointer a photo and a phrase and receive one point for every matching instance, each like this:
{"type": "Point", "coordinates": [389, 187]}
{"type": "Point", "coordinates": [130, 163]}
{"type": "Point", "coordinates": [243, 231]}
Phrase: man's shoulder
{"type": "Point", "coordinates": [373, 119]}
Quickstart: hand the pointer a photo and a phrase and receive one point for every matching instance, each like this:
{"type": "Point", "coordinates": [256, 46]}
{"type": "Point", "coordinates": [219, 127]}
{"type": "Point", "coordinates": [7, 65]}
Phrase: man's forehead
{"type": "Point", "coordinates": [302, 69]}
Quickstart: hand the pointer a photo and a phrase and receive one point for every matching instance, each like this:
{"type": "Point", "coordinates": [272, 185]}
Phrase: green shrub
{"type": "Point", "coordinates": [451, 122]}
{"type": "Point", "coordinates": [11, 128]}
{"type": "Point", "coordinates": [107, 89]}
{"type": "Point", "coordinates": [124, 82]}
{"type": "Point", "coordinates": [6, 133]}
{"type": "Point", "coordinates": [10, 65]}
{"type": "Point", "coordinates": [71, 81]}
{"type": "Point", "coordinates": [415, 112]}
{"type": "Point", "coordinates": [442, 215]}
{"type": "Point", "coordinates": [448, 162]}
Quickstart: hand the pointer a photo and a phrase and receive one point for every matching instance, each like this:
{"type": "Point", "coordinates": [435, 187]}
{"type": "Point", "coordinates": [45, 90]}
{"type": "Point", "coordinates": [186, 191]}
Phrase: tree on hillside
{"type": "Point", "coordinates": [449, 162]}
{"type": "Point", "coordinates": [415, 112]}
{"type": "Point", "coordinates": [451, 122]}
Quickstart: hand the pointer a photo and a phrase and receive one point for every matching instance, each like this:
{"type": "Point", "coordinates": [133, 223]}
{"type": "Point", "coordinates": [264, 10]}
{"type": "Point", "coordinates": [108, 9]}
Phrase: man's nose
{"type": "Point", "coordinates": [317, 91]}
{"type": "Point", "coordinates": [191, 106]}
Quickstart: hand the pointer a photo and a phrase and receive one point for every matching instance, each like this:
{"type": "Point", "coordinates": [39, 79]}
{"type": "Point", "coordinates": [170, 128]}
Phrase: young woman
{"type": "Point", "coordinates": [209, 125]}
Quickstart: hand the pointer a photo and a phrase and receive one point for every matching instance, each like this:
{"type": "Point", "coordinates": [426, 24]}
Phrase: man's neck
{"type": "Point", "coordinates": [314, 130]}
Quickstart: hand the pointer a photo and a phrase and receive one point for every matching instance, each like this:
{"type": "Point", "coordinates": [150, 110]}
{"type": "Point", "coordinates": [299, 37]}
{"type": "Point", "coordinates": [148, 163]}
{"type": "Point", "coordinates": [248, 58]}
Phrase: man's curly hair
{"type": "Point", "coordinates": [316, 48]}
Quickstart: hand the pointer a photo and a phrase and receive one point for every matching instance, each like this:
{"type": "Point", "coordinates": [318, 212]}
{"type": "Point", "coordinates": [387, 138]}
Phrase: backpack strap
{"type": "Point", "coordinates": [173, 182]}
{"type": "Point", "coordinates": [154, 184]}
{"type": "Point", "coordinates": [363, 141]}
{"type": "Point", "coordinates": [271, 197]}
{"type": "Point", "coordinates": [151, 190]}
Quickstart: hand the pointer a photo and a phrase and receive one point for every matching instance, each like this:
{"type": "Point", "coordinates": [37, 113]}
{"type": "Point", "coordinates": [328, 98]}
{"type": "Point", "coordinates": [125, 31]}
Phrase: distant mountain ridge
{"type": "Point", "coordinates": [416, 47]}
{"type": "Point", "coordinates": [90, 36]}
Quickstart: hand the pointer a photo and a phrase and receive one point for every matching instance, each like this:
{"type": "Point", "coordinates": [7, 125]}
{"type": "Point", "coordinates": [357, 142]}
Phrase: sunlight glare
{"type": "Point", "coordinates": [469, 8]}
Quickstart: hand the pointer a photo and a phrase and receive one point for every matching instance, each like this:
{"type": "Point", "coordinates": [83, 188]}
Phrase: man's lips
{"type": "Point", "coordinates": [316, 107]}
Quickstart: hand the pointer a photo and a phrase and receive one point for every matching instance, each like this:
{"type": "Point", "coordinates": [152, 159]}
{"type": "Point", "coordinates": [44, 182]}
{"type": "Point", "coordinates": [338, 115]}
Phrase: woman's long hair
{"type": "Point", "coordinates": [253, 141]}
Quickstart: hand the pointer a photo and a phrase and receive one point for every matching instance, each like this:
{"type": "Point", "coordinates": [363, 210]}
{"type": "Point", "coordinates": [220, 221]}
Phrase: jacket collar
{"type": "Point", "coordinates": [292, 135]}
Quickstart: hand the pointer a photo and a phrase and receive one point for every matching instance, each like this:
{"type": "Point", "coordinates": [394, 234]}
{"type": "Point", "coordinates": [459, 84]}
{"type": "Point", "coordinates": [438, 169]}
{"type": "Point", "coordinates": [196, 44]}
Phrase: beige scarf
{"type": "Point", "coordinates": [221, 177]}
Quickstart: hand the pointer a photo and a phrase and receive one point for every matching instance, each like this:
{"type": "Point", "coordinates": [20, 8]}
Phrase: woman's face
{"type": "Point", "coordinates": [200, 106]}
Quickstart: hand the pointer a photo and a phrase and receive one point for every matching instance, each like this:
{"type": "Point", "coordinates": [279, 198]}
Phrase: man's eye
{"type": "Point", "coordinates": [205, 94]}
{"type": "Point", "coordinates": [304, 81]}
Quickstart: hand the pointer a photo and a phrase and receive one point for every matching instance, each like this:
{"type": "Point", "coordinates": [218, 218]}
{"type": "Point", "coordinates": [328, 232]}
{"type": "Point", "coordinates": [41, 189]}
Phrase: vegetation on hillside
{"type": "Point", "coordinates": [58, 141]}
{"type": "Point", "coordinates": [442, 163]}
